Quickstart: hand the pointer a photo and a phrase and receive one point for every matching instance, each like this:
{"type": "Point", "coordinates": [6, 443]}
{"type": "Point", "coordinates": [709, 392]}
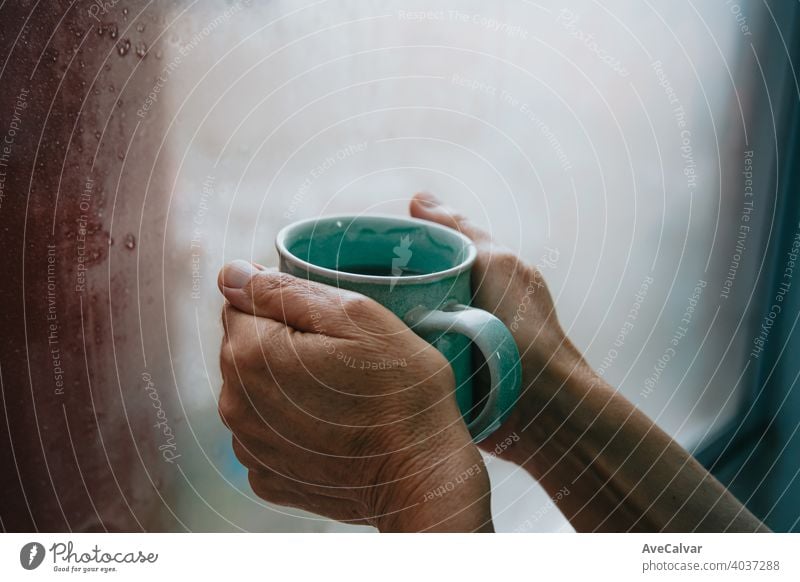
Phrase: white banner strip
{"type": "Point", "coordinates": [372, 557]}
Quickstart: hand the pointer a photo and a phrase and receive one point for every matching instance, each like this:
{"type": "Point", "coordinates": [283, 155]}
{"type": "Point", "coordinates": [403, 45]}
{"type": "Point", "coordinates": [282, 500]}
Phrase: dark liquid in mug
{"type": "Point", "coordinates": [379, 271]}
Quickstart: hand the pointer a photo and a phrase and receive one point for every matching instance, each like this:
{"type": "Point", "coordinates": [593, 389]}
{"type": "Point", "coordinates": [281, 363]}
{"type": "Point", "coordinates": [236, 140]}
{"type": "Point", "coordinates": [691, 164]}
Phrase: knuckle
{"type": "Point", "coordinates": [469, 228]}
{"type": "Point", "coordinates": [505, 259]}
{"type": "Point", "coordinates": [244, 456]}
{"type": "Point", "coordinates": [456, 216]}
{"type": "Point", "coordinates": [465, 225]}
{"type": "Point", "coordinates": [230, 406]}
{"type": "Point", "coordinates": [227, 311]}
{"type": "Point", "coordinates": [357, 305]}
{"type": "Point", "coordinates": [506, 263]}
{"type": "Point", "coordinates": [264, 484]}
{"type": "Point", "coordinates": [225, 420]}
{"type": "Point", "coordinates": [226, 358]}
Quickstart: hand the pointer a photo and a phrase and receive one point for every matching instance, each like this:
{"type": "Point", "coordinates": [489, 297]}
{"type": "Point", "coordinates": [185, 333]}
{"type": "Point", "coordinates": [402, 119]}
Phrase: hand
{"type": "Point", "coordinates": [516, 293]}
{"type": "Point", "coordinates": [338, 408]}
{"type": "Point", "coordinates": [602, 461]}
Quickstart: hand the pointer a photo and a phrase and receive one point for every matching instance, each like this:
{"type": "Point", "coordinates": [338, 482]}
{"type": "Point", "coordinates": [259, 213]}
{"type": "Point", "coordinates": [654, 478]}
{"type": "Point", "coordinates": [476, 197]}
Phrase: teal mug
{"type": "Point", "coordinates": [421, 272]}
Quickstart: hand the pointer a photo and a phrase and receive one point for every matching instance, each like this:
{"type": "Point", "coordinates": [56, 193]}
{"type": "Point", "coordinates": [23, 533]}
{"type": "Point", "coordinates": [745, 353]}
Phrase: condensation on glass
{"type": "Point", "coordinates": [84, 381]}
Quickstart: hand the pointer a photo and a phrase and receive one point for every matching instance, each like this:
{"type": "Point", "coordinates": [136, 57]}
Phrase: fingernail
{"type": "Point", "coordinates": [237, 274]}
{"type": "Point", "coordinates": [428, 199]}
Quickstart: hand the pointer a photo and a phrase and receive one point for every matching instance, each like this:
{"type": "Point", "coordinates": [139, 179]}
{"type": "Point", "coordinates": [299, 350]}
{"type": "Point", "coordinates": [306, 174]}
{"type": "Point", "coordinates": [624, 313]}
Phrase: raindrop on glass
{"type": "Point", "coordinates": [124, 47]}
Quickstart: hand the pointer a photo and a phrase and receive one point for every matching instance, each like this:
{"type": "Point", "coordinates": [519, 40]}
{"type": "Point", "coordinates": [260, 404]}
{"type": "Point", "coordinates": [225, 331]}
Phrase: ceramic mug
{"type": "Point", "coordinates": [421, 272]}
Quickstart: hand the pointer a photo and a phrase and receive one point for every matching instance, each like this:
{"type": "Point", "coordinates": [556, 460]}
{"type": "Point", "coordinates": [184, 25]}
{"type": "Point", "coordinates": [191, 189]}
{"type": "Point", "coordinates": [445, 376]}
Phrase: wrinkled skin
{"type": "Point", "coordinates": [351, 444]}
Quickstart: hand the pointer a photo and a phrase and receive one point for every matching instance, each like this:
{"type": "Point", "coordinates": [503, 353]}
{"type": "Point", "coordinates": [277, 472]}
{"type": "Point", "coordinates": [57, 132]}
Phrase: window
{"type": "Point", "coordinates": [641, 153]}
{"type": "Point", "coordinates": [623, 139]}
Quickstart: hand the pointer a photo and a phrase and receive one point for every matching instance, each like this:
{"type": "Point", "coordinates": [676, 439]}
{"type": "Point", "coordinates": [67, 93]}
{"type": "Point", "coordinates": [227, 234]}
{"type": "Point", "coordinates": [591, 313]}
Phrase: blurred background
{"type": "Point", "coordinates": [612, 132]}
{"type": "Point", "coordinates": [633, 139]}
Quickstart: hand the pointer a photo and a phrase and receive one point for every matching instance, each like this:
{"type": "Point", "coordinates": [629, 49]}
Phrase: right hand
{"type": "Point", "coordinates": [321, 426]}
{"type": "Point", "coordinates": [516, 293]}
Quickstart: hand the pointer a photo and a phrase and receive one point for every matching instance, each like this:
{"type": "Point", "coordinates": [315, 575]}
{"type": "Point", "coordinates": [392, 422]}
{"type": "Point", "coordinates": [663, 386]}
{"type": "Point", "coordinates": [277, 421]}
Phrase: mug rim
{"type": "Point", "coordinates": [465, 265]}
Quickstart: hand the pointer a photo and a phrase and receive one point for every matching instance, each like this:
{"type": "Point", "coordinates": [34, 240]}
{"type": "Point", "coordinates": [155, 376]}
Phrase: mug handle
{"type": "Point", "coordinates": [499, 350]}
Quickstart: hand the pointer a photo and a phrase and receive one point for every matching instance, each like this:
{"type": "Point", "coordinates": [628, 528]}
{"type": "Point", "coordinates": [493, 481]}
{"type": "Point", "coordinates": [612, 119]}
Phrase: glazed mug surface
{"type": "Point", "coordinates": [421, 272]}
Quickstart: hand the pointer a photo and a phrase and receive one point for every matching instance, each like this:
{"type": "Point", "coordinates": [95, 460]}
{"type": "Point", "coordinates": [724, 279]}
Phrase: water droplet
{"type": "Point", "coordinates": [111, 241]}
{"type": "Point", "coordinates": [124, 47]}
{"type": "Point", "coordinates": [130, 242]}
{"type": "Point", "coordinates": [97, 134]}
{"type": "Point", "coordinates": [125, 12]}
{"type": "Point", "coordinates": [141, 50]}
{"type": "Point", "coordinates": [158, 54]}
{"type": "Point", "coordinates": [100, 30]}
{"type": "Point", "coordinates": [140, 27]}
{"type": "Point", "coordinates": [113, 30]}
{"type": "Point", "coordinates": [120, 156]}
{"type": "Point", "coordinates": [111, 88]}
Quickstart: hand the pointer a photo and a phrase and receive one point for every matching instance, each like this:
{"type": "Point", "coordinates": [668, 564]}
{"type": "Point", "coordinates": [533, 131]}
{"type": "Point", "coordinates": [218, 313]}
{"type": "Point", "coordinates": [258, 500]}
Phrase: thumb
{"type": "Point", "coordinates": [278, 296]}
{"type": "Point", "coordinates": [427, 207]}
{"type": "Point", "coordinates": [302, 304]}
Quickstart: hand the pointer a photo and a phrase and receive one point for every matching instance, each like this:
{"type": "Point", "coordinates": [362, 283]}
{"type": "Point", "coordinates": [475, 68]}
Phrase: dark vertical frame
{"type": "Point", "coordinates": [758, 455]}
